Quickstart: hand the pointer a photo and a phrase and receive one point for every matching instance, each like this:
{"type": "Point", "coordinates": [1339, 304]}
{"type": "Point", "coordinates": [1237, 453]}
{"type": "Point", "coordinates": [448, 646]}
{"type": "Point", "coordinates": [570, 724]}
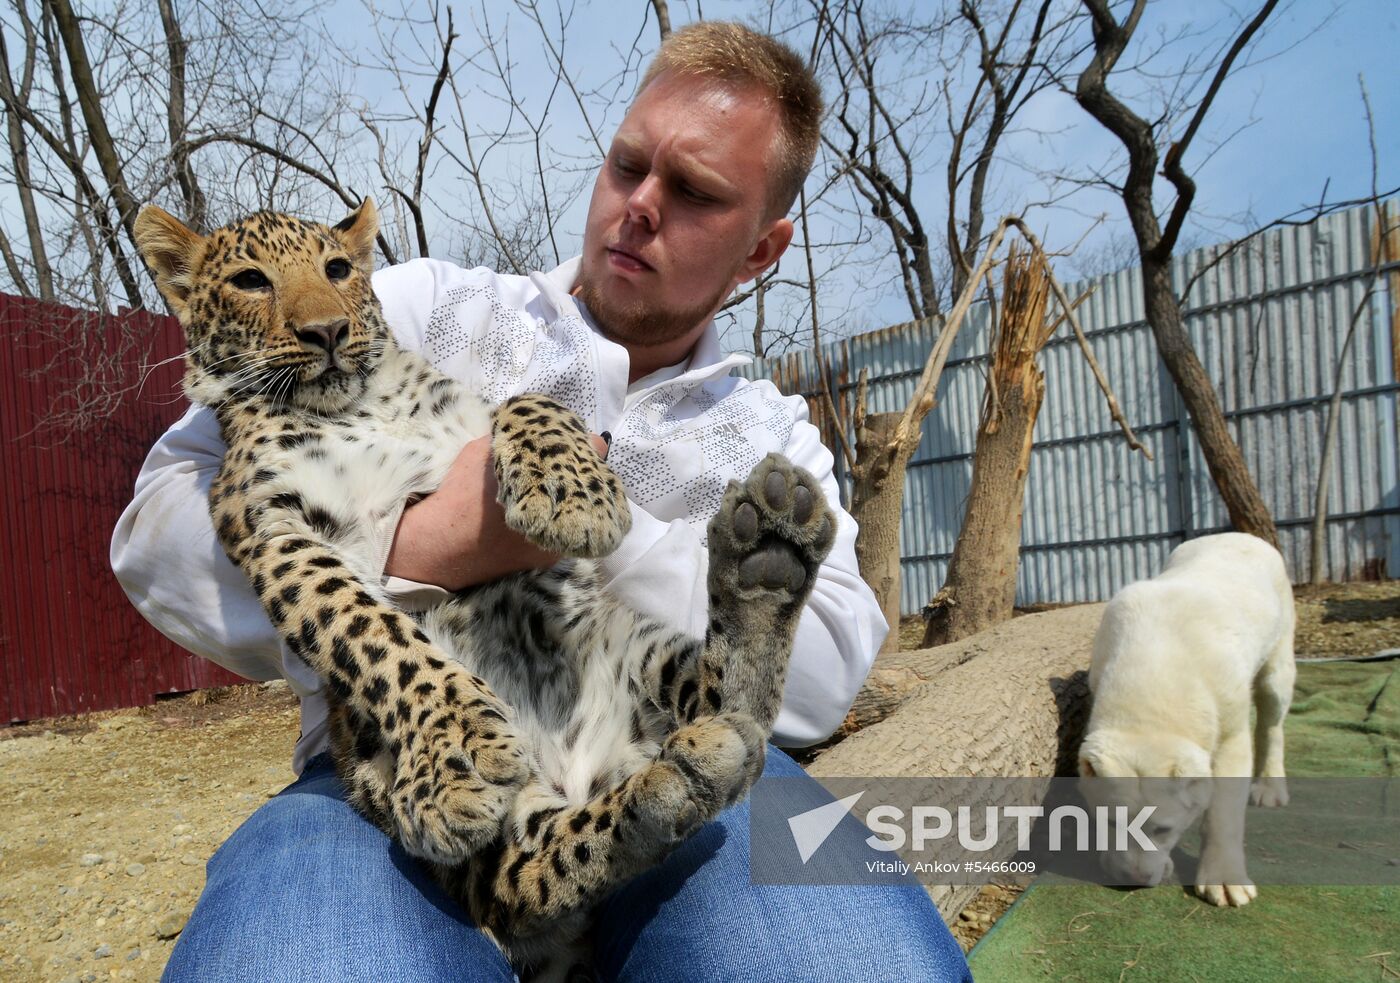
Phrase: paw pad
{"type": "Point", "coordinates": [745, 523]}
{"type": "Point", "coordinates": [776, 569]}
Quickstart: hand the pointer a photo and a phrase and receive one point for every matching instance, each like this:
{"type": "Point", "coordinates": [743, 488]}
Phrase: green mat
{"type": "Point", "coordinates": [1345, 722]}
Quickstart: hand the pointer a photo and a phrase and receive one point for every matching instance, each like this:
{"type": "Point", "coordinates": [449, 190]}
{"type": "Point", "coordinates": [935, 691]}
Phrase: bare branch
{"type": "Point", "coordinates": [195, 205]}
{"type": "Point", "coordinates": [19, 156]}
{"type": "Point", "coordinates": [1385, 248]}
{"type": "Point", "coordinates": [837, 423]}
{"type": "Point", "coordinates": [663, 18]}
{"type": "Point", "coordinates": [1171, 165]}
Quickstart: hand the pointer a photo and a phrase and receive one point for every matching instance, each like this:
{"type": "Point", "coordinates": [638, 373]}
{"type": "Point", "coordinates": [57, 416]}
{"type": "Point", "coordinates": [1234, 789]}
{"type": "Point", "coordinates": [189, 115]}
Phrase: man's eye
{"type": "Point", "coordinates": [699, 197]}
{"type": "Point", "coordinates": [338, 269]}
{"type": "Point", "coordinates": [250, 280]}
{"type": "Point", "coordinates": [624, 167]}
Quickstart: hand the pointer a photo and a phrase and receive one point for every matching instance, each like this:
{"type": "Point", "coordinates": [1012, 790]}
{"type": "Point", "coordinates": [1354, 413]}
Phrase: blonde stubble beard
{"type": "Point", "coordinates": [635, 325]}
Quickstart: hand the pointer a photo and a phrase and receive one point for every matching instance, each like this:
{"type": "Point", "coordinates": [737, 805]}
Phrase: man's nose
{"type": "Point", "coordinates": [326, 336]}
{"type": "Point", "coordinates": [644, 204]}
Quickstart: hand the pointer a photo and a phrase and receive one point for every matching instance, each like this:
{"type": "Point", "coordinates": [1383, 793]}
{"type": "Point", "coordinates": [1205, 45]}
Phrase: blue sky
{"type": "Point", "coordinates": [1294, 120]}
{"type": "Point", "coordinates": [1293, 117]}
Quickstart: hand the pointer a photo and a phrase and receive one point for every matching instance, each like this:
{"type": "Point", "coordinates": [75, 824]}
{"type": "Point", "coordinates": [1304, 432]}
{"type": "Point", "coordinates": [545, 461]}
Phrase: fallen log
{"type": "Point", "coordinates": [896, 675]}
{"type": "Point", "coordinates": [1008, 702]}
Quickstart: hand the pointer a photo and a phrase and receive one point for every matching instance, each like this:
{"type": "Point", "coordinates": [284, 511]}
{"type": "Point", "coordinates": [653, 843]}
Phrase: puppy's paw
{"type": "Point", "coordinates": [1269, 793]}
{"type": "Point", "coordinates": [1227, 895]}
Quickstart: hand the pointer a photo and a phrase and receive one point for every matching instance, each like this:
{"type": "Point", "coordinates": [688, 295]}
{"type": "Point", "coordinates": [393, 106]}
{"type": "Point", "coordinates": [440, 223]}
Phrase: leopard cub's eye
{"type": "Point", "coordinates": [338, 269]}
{"type": "Point", "coordinates": [249, 280]}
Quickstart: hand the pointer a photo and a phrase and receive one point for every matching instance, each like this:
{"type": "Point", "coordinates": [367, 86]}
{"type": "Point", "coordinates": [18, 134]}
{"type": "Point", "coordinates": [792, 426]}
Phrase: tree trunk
{"type": "Point", "coordinates": [1241, 497]}
{"type": "Point", "coordinates": [177, 48]}
{"type": "Point", "coordinates": [980, 589]}
{"type": "Point", "coordinates": [100, 138]}
{"type": "Point", "coordinates": [877, 499]}
{"type": "Point", "coordinates": [19, 155]}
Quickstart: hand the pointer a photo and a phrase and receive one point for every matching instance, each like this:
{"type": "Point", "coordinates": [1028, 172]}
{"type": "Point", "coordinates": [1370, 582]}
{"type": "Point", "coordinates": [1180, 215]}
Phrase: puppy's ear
{"type": "Point", "coordinates": [1189, 762]}
{"type": "Point", "coordinates": [1191, 771]}
{"type": "Point", "coordinates": [1194, 794]}
{"type": "Point", "coordinates": [1095, 757]}
{"type": "Point", "coordinates": [172, 251]}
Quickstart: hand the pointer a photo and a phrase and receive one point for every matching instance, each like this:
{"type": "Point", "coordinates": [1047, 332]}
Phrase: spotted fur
{"type": "Point", "coordinates": [534, 741]}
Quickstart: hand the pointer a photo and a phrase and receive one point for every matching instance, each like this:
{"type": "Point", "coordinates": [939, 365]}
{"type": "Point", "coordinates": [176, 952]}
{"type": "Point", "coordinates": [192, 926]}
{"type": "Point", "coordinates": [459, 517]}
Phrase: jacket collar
{"type": "Point", "coordinates": [707, 361]}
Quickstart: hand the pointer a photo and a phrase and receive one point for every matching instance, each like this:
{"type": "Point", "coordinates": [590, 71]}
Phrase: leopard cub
{"type": "Point", "coordinates": [534, 741]}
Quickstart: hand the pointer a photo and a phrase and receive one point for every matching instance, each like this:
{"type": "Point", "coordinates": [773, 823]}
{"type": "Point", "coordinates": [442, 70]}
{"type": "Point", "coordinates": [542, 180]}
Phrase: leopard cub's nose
{"type": "Point", "coordinates": [327, 336]}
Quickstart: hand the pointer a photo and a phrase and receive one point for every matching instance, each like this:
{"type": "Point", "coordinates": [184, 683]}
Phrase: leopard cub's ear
{"type": "Point", "coordinates": [357, 231]}
{"type": "Point", "coordinates": [171, 250]}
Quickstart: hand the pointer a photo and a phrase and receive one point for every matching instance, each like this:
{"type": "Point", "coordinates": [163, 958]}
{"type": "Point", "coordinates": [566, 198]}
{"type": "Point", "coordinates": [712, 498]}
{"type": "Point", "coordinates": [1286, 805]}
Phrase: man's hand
{"type": "Point", "coordinates": [457, 536]}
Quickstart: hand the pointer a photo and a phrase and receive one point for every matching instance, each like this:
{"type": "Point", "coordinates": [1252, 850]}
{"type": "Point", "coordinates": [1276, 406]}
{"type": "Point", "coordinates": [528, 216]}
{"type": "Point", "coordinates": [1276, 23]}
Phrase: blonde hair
{"type": "Point", "coordinates": [736, 55]}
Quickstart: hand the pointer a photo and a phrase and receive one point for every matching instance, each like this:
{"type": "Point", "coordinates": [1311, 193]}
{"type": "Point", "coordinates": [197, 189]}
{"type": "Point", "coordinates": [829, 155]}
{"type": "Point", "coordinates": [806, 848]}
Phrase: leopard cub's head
{"type": "Point", "coordinates": [271, 305]}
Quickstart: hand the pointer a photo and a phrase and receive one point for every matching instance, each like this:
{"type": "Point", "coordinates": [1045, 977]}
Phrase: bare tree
{"type": "Point", "coordinates": [663, 18]}
{"type": "Point", "coordinates": [877, 141]}
{"type": "Point", "coordinates": [1156, 242]}
{"type": "Point", "coordinates": [19, 157]}
{"type": "Point", "coordinates": [105, 112]}
{"type": "Point", "coordinates": [980, 587]}
{"type": "Point", "coordinates": [1385, 249]}
{"type": "Point", "coordinates": [1015, 60]}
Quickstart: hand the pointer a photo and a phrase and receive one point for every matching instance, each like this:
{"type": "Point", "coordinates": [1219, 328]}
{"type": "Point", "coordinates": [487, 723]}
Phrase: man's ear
{"type": "Point", "coordinates": [357, 231]}
{"type": "Point", "coordinates": [769, 248]}
{"type": "Point", "coordinates": [171, 250]}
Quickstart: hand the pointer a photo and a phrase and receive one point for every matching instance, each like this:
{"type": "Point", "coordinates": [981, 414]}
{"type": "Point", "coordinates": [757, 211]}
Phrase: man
{"type": "Point", "coordinates": [690, 203]}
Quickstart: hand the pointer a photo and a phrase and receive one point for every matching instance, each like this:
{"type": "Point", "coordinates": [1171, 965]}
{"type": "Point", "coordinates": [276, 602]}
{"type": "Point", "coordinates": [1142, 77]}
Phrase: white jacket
{"type": "Point", "coordinates": [679, 436]}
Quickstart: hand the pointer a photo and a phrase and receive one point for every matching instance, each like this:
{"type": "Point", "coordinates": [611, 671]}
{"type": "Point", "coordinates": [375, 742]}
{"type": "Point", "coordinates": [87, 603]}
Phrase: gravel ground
{"type": "Point", "coordinates": [114, 814]}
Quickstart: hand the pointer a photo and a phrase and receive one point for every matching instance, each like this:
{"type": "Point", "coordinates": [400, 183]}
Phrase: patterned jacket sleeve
{"type": "Point", "coordinates": [661, 568]}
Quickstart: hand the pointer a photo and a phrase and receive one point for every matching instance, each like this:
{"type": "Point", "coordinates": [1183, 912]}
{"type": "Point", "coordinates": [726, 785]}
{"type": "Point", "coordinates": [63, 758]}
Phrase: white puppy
{"type": "Point", "coordinates": [1175, 663]}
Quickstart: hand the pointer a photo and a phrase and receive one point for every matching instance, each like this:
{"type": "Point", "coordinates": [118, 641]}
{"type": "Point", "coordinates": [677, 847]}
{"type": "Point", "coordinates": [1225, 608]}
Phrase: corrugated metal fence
{"type": "Point", "coordinates": [71, 640]}
{"type": "Point", "coordinates": [1268, 322]}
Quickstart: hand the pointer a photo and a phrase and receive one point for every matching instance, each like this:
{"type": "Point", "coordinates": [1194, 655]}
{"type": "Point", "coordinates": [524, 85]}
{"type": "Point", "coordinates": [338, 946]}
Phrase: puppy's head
{"type": "Point", "coordinates": [1134, 771]}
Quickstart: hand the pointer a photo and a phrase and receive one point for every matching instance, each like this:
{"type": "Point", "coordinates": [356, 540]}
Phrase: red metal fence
{"type": "Point", "coordinates": [69, 639]}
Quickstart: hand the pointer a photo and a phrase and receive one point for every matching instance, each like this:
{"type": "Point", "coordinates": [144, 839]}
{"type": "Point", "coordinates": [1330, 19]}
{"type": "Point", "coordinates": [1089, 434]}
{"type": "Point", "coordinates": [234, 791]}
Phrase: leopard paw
{"type": "Point", "coordinates": [721, 756]}
{"type": "Point", "coordinates": [457, 773]}
{"type": "Point", "coordinates": [557, 492]}
{"type": "Point", "coordinates": [771, 533]}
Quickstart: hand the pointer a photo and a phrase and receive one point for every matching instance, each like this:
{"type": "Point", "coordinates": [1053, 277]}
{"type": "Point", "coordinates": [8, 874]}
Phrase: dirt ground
{"type": "Point", "coordinates": [113, 815]}
{"type": "Point", "coordinates": [1334, 620]}
{"type": "Point", "coordinates": [112, 818]}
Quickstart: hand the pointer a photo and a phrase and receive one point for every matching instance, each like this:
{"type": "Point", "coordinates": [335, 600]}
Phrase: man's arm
{"type": "Point", "coordinates": [660, 569]}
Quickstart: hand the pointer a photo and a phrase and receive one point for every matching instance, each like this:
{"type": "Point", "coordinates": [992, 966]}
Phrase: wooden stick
{"type": "Point", "coordinates": [1068, 308]}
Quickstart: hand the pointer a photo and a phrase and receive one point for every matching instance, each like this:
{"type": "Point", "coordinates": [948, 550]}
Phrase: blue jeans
{"type": "Point", "coordinates": [306, 889]}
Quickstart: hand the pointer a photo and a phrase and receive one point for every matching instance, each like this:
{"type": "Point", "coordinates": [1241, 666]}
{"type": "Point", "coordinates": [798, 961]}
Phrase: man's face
{"type": "Point", "coordinates": [679, 211]}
